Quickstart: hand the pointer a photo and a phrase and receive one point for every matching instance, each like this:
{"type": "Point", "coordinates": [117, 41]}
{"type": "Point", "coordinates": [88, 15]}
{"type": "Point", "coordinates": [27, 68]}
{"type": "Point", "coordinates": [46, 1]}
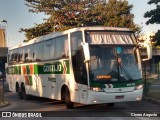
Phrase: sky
{"type": "Point", "coordinates": [16, 13]}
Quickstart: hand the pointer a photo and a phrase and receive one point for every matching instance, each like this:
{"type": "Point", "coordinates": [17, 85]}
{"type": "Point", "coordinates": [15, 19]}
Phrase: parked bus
{"type": "Point", "coordinates": [88, 65]}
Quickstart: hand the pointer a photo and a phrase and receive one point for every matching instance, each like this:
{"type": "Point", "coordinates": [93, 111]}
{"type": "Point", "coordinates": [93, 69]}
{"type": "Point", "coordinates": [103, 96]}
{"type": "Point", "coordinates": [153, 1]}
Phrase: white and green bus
{"type": "Point", "coordinates": [88, 65]}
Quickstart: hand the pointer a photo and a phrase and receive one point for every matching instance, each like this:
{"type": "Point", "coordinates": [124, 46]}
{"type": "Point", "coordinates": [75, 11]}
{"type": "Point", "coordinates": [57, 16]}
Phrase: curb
{"type": "Point", "coordinates": [154, 101]}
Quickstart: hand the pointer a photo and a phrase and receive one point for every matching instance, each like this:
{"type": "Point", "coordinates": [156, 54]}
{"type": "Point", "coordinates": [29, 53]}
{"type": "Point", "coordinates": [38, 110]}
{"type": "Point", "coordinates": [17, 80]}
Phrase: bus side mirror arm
{"type": "Point", "coordinates": [149, 50]}
{"type": "Point", "coordinates": [85, 61]}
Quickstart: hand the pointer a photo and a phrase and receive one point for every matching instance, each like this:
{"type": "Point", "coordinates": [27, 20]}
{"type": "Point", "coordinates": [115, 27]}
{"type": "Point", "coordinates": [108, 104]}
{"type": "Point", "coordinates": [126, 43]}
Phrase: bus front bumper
{"type": "Point", "coordinates": [103, 97]}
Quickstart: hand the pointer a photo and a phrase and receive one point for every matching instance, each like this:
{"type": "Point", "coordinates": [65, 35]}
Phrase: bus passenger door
{"type": "Point", "coordinates": [83, 93]}
{"type": "Point", "coordinates": [80, 75]}
{"type": "Point", "coordinates": [79, 67]}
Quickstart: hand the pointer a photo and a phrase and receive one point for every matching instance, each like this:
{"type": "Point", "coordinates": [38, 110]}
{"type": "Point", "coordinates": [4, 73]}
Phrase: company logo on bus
{"type": "Point", "coordinates": [52, 68]}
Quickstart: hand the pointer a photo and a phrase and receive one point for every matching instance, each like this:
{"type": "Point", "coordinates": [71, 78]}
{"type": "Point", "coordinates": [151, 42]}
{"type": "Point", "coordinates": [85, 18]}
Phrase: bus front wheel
{"type": "Point", "coordinates": [69, 103]}
{"type": "Point", "coordinates": [111, 104]}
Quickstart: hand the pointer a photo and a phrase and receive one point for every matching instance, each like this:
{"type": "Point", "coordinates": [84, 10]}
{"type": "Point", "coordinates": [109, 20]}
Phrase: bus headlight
{"type": "Point", "coordinates": [97, 89]}
{"type": "Point", "coordinates": [138, 87]}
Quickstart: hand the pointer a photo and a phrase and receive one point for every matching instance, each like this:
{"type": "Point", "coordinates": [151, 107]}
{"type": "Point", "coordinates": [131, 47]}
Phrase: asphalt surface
{"type": "Point", "coordinates": [51, 108]}
{"type": "Point", "coordinates": [56, 109]}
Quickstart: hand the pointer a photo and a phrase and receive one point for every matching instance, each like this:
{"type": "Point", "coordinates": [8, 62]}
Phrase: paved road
{"type": "Point", "coordinates": [155, 87]}
{"type": "Point", "coordinates": [57, 109]}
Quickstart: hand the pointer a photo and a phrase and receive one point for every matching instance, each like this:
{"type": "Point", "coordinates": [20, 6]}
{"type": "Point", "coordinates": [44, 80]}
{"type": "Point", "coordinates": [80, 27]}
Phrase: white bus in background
{"type": "Point", "coordinates": [88, 65]}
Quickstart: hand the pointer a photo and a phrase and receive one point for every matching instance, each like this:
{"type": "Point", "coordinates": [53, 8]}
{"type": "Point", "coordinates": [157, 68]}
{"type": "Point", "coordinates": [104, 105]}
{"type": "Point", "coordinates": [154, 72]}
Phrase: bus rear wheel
{"type": "Point", "coordinates": [18, 91]}
{"type": "Point", "coordinates": [23, 91]}
{"type": "Point", "coordinates": [19, 95]}
{"type": "Point", "coordinates": [69, 103]}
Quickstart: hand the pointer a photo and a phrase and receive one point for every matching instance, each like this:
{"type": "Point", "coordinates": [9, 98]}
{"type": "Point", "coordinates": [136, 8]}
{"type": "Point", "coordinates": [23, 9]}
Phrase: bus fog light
{"type": "Point", "coordinates": [97, 89]}
{"type": "Point", "coordinates": [138, 87]}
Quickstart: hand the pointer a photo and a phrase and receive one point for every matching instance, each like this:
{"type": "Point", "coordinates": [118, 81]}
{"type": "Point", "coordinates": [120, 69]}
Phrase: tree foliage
{"type": "Point", "coordinates": [157, 38]}
{"type": "Point", "coordinates": [65, 14]}
{"type": "Point", "coordinates": [153, 15]}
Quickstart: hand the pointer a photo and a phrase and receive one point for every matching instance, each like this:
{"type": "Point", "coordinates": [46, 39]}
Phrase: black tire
{"type": "Point", "coordinates": [111, 104]}
{"type": "Point", "coordinates": [23, 91]}
{"type": "Point", "coordinates": [18, 91]}
{"type": "Point", "coordinates": [69, 103]}
{"type": "Point", "coordinates": [19, 94]}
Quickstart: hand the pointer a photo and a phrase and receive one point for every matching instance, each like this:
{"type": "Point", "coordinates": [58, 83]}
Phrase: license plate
{"type": "Point", "coordinates": [119, 97]}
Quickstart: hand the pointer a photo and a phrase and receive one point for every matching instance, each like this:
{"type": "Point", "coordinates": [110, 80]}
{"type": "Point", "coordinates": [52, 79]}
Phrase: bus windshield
{"type": "Point", "coordinates": [110, 64]}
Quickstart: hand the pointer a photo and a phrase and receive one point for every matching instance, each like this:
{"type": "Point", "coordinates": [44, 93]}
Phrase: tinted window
{"type": "Point", "coordinates": [79, 67]}
{"type": "Point", "coordinates": [49, 49]}
{"type": "Point", "coordinates": [38, 51]}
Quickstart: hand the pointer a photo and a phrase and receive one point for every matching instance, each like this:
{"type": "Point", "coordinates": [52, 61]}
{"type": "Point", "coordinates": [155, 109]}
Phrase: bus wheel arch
{"type": "Point", "coordinates": [63, 89]}
{"type": "Point", "coordinates": [65, 95]}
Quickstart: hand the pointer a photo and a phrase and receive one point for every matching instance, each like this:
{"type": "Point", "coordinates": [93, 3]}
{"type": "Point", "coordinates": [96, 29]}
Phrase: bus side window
{"type": "Point", "coordinates": [33, 56]}
{"type": "Point", "coordinates": [12, 58]}
{"type": "Point", "coordinates": [21, 58]}
{"type": "Point", "coordinates": [49, 48]}
{"type": "Point", "coordinates": [30, 50]}
{"type": "Point", "coordinates": [66, 49]}
{"type": "Point", "coordinates": [61, 46]}
{"type": "Point", "coordinates": [79, 66]}
{"type": "Point", "coordinates": [26, 57]}
{"type": "Point", "coordinates": [39, 51]}
{"type": "Point", "coordinates": [16, 58]}
{"type": "Point", "coordinates": [8, 57]}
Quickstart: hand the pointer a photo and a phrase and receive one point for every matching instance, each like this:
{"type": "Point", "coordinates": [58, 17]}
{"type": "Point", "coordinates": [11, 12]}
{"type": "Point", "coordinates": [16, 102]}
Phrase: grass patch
{"type": "Point", "coordinates": [154, 94]}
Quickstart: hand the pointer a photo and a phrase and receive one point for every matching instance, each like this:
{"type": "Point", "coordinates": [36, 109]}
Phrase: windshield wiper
{"type": "Point", "coordinates": [126, 72]}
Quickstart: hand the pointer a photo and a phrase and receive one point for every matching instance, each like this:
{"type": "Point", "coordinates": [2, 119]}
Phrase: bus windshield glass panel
{"type": "Point", "coordinates": [111, 64]}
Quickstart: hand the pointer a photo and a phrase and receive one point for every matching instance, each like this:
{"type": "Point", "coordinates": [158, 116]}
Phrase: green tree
{"type": "Point", "coordinates": [153, 15]}
{"type": "Point", "coordinates": [157, 38]}
{"type": "Point", "coordinates": [118, 14]}
{"type": "Point", "coordinates": [65, 14]}
{"type": "Point", "coordinates": [154, 18]}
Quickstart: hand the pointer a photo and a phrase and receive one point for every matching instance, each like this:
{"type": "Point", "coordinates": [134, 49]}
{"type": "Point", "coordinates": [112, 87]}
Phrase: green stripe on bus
{"type": "Point", "coordinates": [96, 84]}
{"type": "Point", "coordinates": [30, 80]}
{"type": "Point", "coordinates": [47, 68]}
{"type": "Point", "coordinates": [131, 84]}
{"type": "Point", "coordinates": [116, 85]}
